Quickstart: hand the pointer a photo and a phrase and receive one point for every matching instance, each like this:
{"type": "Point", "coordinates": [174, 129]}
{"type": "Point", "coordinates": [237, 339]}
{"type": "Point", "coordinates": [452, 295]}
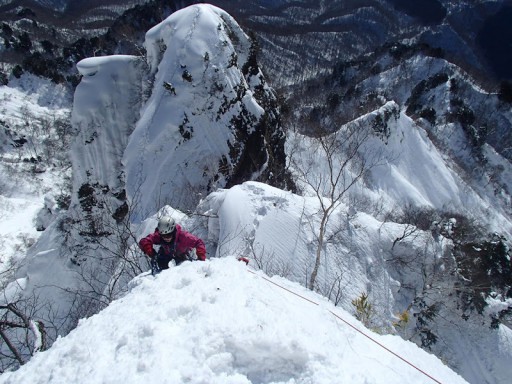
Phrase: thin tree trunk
{"type": "Point", "coordinates": [11, 347]}
{"type": "Point", "coordinates": [312, 280]}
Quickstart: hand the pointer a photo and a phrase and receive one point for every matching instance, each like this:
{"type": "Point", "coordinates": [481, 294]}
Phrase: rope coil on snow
{"type": "Point", "coordinates": [351, 326]}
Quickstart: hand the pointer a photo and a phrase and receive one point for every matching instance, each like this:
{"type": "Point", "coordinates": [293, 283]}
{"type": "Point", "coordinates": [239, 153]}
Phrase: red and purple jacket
{"type": "Point", "coordinates": [182, 244]}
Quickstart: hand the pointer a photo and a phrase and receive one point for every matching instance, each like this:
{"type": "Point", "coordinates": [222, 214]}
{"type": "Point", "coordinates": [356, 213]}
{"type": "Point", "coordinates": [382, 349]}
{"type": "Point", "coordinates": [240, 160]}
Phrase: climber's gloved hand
{"type": "Point", "coordinates": [192, 254]}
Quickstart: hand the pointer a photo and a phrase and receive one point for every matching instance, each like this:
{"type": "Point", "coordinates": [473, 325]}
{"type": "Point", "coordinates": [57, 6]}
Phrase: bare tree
{"type": "Point", "coordinates": [23, 332]}
{"type": "Point", "coordinates": [16, 329]}
{"type": "Point", "coordinates": [329, 165]}
{"type": "Point", "coordinates": [267, 262]}
{"type": "Point", "coordinates": [109, 257]}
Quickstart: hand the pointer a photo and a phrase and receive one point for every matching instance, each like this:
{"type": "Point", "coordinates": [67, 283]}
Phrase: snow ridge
{"type": "Point", "coordinates": [214, 322]}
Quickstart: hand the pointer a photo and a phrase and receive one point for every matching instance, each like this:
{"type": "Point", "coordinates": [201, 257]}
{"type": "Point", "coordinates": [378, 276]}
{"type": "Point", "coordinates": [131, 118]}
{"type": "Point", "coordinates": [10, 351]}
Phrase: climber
{"type": "Point", "coordinates": [175, 244]}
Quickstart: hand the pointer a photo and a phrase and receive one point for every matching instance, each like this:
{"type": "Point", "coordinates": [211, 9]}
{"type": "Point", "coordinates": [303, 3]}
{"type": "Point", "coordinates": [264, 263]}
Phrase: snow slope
{"type": "Point", "coordinates": [219, 322]}
{"type": "Point", "coordinates": [164, 146]}
{"type": "Point", "coordinates": [30, 108]}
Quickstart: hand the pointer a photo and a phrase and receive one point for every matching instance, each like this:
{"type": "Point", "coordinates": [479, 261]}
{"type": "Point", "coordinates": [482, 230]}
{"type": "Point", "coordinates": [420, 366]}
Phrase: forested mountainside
{"type": "Point", "coordinates": [308, 37]}
{"type": "Point", "coordinates": [299, 40]}
{"type": "Point", "coordinates": [70, 20]}
{"type": "Point", "coordinates": [421, 229]}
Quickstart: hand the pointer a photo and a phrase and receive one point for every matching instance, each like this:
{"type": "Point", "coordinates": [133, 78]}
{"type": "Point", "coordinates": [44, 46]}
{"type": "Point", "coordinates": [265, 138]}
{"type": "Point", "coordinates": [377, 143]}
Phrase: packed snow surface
{"type": "Point", "coordinates": [218, 321]}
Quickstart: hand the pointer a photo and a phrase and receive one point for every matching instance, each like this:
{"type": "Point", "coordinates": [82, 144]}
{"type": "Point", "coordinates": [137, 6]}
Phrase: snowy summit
{"type": "Point", "coordinates": [219, 321]}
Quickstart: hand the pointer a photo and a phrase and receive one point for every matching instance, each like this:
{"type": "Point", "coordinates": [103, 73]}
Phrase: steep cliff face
{"type": "Point", "coordinates": [210, 110]}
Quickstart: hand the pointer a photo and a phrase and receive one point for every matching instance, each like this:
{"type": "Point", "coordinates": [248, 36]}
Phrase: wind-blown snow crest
{"type": "Point", "coordinates": [104, 121]}
{"type": "Point", "coordinates": [219, 322]}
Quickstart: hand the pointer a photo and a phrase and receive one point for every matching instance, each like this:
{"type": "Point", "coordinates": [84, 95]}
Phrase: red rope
{"type": "Point", "coordinates": [286, 289]}
{"type": "Point", "coordinates": [351, 326]}
{"type": "Point", "coordinates": [386, 348]}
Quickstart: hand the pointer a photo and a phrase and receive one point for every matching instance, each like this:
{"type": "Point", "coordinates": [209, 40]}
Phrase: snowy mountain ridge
{"type": "Point", "coordinates": [145, 132]}
{"type": "Point", "coordinates": [217, 322]}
